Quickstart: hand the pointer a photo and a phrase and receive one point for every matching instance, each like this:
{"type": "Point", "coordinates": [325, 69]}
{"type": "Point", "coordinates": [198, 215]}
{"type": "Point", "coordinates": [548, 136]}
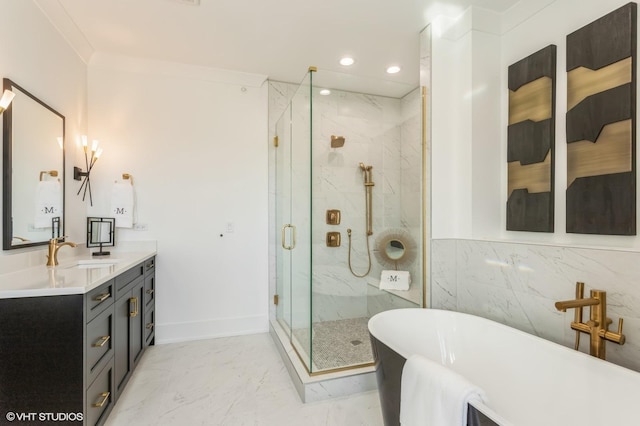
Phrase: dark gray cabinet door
{"type": "Point", "coordinates": [136, 324]}
{"type": "Point", "coordinates": [123, 308]}
{"type": "Point", "coordinates": [129, 335]}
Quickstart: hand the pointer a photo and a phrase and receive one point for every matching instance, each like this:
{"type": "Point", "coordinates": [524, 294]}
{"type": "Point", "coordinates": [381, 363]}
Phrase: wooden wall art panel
{"type": "Point", "coordinates": [601, 125]}
{"type": "Point", "coordinates": [531, 141]}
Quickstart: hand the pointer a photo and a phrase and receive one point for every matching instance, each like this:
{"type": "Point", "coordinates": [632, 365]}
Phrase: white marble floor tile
{"type": "Point", "coordinates": [229, 381]}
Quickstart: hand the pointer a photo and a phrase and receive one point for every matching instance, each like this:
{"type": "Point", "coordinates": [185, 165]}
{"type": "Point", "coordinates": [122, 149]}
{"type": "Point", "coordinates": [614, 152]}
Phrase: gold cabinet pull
{"type": "Point", "coordinates": [102, 297]}
{"type": "Point", "coordinates": [105, 398]}
{"type": "Point", "coordinates": [150, 326]}
{"type": "Point", "coordinates": [134, 313]}
{"type": "Point", "coordinates": [101, 342]}
{"type": "Point", "coordinates": [150, 291]}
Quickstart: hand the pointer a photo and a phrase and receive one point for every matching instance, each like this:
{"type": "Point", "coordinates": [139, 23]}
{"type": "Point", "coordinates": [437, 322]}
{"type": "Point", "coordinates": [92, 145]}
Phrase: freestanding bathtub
{"type": "Point", "coordinates": [527, 380]}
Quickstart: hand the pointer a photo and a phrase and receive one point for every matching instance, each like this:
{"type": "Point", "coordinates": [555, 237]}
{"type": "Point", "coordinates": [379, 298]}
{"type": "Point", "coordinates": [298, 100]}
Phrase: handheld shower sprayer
{"type": "Point", "coordinates": [368, 185]}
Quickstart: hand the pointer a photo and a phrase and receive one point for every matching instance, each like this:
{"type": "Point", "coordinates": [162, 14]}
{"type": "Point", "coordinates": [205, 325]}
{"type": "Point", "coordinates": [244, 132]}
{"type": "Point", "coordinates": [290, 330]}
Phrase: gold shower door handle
{"type": "Point", "coordinates": [293, 236]}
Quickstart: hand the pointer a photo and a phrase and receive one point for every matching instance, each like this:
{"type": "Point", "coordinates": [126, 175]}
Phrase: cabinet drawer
{"type": "Point", "coordinates": [149, 265]}
{"type": "Point", "coordinates": [149, 290]}
{"type": "Point", "coordinates": [99, 299]}
{"type": "Point", "coordinates": [149, 326]}
{"type": "Point", "coordinates": [99, 343]}
{"type": "Point", "coordinates": [126, 278]}
{"type": "Point", "coordinates": [100, 398]}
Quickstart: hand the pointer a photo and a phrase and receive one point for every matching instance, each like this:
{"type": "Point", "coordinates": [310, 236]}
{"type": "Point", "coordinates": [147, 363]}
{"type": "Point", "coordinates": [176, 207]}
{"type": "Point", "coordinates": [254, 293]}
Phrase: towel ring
{"type": "Point", "coordinates": [127, 176]}
{"type": "Point", "coordinates": [52, 173]}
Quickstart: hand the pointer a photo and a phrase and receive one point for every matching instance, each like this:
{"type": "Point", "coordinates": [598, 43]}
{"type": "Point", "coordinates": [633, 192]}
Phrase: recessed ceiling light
{"type": "Point", "coordinates": [393, 69]}
{"type": "Point", "coordinates": [346, 61]}
{"type": "Point", "coordinates": [325, 92]}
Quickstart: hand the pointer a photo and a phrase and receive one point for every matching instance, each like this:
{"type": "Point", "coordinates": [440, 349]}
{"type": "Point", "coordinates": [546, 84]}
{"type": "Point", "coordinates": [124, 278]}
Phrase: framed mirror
{"type": "Point", "coordinates": [32, 171]}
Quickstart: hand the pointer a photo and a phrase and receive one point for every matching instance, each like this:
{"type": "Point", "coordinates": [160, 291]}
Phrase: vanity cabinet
{"type": "Point", "coordinates": [66, 359]}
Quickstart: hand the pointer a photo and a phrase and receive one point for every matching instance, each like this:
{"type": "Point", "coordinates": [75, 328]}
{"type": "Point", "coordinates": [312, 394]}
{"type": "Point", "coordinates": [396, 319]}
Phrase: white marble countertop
{"type": "Point", "coordinates": [74, 275]}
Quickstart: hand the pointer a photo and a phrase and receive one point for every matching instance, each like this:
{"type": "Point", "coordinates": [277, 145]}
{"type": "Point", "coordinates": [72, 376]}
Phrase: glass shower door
{"type": "Point", "coordinates": [301, 338]}
{"type": "Point", "coordinates": [293, 218]}
{"type": "Point", "coordinates": [283, 220]}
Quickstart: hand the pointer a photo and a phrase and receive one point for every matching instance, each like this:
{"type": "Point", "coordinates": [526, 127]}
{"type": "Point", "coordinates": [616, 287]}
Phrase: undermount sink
{"type": "Point", "coordinates": [93, 263]}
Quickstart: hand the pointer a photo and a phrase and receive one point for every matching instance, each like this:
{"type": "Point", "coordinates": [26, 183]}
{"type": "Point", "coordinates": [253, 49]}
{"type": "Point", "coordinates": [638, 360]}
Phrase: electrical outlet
{"type": "Point", "coordinates": [230, 227]}
{"type": "Point", "coordinates": [141, 227]}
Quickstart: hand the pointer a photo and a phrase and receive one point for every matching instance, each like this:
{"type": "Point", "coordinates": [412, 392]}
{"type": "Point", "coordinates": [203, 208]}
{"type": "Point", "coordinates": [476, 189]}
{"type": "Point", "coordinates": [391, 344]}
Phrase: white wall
{"type": "Point", "coordinates": [451, 135]}
{"type": "Point", "coordinates": [35, 56]}
{"type": "Point", "coordinates": [195, 142]}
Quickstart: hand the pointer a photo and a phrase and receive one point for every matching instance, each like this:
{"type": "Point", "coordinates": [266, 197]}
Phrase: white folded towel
{"type": "Point", "coordinates": [395, 280]}
{"type": "Point", "coordinates": [432, 394]}
{"type": "Point", "coordinates": [122, 204]}
{"type": "Point", "coordinates": [48, 203]}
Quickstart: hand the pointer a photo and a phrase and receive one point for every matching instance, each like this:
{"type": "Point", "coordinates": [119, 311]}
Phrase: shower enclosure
{"type": "Point", "coordinates": [348, 171]}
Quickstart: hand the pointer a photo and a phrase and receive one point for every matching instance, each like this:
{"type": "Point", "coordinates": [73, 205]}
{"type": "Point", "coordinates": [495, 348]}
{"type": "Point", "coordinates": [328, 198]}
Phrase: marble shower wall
{"type": "Point", "coordinates": [518, 284]}
{"type": "Point", "coordinates": [384, 133]}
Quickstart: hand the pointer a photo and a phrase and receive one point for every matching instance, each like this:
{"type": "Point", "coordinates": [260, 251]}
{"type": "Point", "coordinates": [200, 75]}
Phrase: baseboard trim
{"type": "Point", "coordinates": [210, 329]}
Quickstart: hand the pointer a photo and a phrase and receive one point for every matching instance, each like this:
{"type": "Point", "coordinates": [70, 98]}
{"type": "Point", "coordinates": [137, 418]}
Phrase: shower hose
{"type": "Point", "coordinates": [368, 256]}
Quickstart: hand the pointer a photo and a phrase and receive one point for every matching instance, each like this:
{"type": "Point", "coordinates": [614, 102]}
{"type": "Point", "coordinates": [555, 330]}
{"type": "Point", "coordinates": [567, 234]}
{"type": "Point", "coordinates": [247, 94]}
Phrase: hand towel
{"type": "Point", "coordinates": [48, 203]}
{"type": "Point", "coordinates": [434, 395]}
{"type": "Point", "coordinates": [395, 280]}
{"type": "Point", "coordinates": [122, 204]}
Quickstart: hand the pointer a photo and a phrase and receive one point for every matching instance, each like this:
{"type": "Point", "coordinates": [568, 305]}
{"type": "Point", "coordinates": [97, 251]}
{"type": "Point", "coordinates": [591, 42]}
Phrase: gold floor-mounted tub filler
{"type": "Point", "coordinates": [598, 325]}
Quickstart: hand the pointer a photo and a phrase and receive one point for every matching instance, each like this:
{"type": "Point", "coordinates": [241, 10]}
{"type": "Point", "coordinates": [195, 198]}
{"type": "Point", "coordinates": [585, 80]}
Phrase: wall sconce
{"type": "Point", "coordinates": [78, 174]}
{"type": "Point", "coordinates": [6, 99]}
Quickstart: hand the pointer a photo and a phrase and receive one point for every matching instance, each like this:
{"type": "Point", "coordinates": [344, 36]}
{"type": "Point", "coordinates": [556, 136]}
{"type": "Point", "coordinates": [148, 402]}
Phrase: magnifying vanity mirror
{"type": "Point", "coordinates": [33, 171]}
{"type": "Point", "coordinates": [395, 248]}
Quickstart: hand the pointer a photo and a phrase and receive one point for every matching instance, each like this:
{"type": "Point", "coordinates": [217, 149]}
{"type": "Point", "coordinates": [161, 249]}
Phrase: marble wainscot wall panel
{"type": "Point", "coordinates": [518, 284]}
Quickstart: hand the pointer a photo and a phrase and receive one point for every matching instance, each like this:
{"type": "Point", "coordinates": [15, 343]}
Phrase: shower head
{"type": "Point", "coordinates": [337, 141]}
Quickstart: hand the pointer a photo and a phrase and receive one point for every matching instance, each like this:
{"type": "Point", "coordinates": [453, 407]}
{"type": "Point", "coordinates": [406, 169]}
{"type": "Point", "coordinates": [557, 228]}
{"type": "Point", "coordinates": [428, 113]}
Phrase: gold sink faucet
{"type": "Point", "coordinates": [598, 325]}
{"type": "Point", "coordinates": [54, 246]}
